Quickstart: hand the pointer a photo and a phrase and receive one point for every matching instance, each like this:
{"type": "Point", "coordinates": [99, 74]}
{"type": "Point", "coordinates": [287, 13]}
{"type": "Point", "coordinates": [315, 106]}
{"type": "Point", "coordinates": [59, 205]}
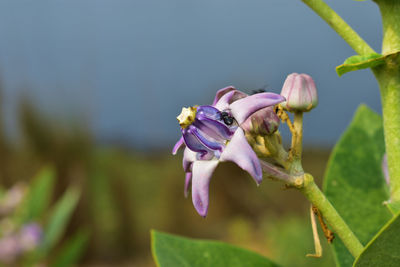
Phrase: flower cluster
{"type": "Point", "coordinates": [213, 134]}
{"type": "Point", "coordinates": [216, 133]}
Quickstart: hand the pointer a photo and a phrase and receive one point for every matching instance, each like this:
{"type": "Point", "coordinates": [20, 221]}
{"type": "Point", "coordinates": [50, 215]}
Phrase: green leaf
{"type": "Point", "coordinates": [384, 248]}
{"type": "Point", "coordinates": [59, 218]}
{"type": "Point", "coordinates": [360, 62]}
{"type": "Point", "coordinates": [354, 180]}
{"type": "Point", "coordinates": [72, 250]}
{"type": "Point", "coordinates": [170, 250]}
{"type": "Point", "coordinates": [39, 196]}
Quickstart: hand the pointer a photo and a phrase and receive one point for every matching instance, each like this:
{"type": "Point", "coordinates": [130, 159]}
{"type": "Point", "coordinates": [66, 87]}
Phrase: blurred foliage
{"type": "Point", "coordinates": [125, 193]}
{"type": "Point", "coordinates": [32, 228]}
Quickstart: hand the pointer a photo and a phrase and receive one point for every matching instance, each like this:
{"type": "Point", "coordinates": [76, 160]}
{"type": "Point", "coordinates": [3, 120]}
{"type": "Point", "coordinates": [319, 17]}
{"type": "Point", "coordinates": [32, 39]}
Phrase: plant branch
{"type": "Point", "coordinates": [318, 199]}
{"type": "Point", "coordinates": [340, 26]}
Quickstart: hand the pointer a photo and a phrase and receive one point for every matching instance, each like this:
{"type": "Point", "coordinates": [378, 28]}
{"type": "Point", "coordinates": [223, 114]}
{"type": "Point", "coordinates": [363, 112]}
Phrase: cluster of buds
{"type": "Point", "coordinates": [234, 128]}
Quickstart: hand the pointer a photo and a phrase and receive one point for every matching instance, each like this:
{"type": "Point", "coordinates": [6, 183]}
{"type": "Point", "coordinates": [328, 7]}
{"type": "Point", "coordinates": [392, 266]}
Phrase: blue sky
{"type": "Point", "coordinates": [127, 67]}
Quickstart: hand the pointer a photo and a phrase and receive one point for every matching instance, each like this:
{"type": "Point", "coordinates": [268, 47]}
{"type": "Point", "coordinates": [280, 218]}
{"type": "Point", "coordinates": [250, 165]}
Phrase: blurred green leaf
{"type": "Point", "coordinates": [170, 250]}
{"type": "Point", "coordinates": [40, 193]}
{"type": "Point", "coordinates": [72, 250]}
{"type": "Point", "coordinates": [360, 62]}
{"type": "Point", "coordinates": [384, 248]}
{"type": "Point", "coordinates": [354, 180]}
{"type": "Point", "coordinates": [59, 218]}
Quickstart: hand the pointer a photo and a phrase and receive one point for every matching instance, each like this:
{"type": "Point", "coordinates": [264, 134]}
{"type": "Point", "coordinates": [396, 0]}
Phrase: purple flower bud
{"type": "Point", "coordinates": [262, 122]}
{"type": "Point", "coordinates": [300, 93]}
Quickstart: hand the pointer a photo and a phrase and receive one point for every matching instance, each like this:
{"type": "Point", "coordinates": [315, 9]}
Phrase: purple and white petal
{"type": "Point", "coordinates": [213, 128]}
{"type": "Point", "coordinates": [239, 151]}
{"type": "Point", "coordinates": [188, 179]}
{"type": "Point", "coordinates": [192, 142]}
{"type": "Point", "coordinates": [222, 92]}
{"type": "Point", "coordinates": [208, 142]}
{"type": "Point", "coordinates": [177, 146]}
{"type": "Point", "coordinates": [208, 111]}
{"type": "Point", "coordinates": [224, 101]}
{"type": "Point", "coordinates": [243, 108]}
{"type": "Point", "coordinates": [188, 158]}
{"type": "Point", "coordinates": [202, 172]}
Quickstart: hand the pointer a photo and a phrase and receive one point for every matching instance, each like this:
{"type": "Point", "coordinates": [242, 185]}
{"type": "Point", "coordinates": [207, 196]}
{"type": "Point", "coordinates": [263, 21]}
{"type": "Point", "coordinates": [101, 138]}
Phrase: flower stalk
{"type": "Point", "coordinates": [339, 226]}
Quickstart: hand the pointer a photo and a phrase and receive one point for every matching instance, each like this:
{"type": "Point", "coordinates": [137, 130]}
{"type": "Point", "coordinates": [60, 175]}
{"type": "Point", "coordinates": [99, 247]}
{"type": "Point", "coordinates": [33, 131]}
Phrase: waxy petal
{"type": "Point", "coordinates": [177, 146]}
{"type": "Point", "coordinates": [224, 101]}
{"type": "Point", "coordinates": [222, 92]}
{"type": "Point", "coordinates": [229, 97]}
{"type": "Point", "coordinates": [239, 151]}
{"type": "Point", "coordinates": [202, 172]}
{"type": "Point", "coordinates": [207, 142]}
{"type": "Point", "coordinates": [243, 108]}
{"type": "Point", "coordinates": [188, 158]}
{"type": "Point", "coordinates": [192, 142]}
{"type": "Point", "coordinates": [213, 128]}
{"type": "Point", "coordinates": [188, 179]}
{"type": "Point", "coordinates": [208, 111]}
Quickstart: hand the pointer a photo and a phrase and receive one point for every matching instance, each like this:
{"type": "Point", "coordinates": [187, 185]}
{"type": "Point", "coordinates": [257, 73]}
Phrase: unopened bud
{"type": "Point", "coordinates": [300, 93]}
{"type": "Point", "coordinates": [262, 122]}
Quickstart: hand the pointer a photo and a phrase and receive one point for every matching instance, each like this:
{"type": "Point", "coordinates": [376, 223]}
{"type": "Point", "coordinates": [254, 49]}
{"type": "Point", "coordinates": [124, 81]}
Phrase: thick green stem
{"type": "Point", "coordinates": [340, 26]}
{"type": "Point", "coordinates": [390, 11]}
{"type": "Point", "coordinates": [389, 84]}
{"type": "Point", "coordinates": [388, 76]}
{"type": "Point", "coordinates": [339, 227]}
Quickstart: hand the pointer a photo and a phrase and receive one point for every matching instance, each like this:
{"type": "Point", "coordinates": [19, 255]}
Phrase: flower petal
{"type": "Point", "coordinates": [224, 101]}
{"type": "Point", "coordinates": [213, 128]}
{"type": "Point", "coordinates": [188, 158]}
{"type": "Point", "coordinates": [192, 142]}
{"type": "Point", "coordinates": [240, 152]}
{"type": "Point", "coordinates": [208, 142]}
{"type": "Point", "coordinates": [208, 111]}
{"type": "Point", "coordinates": [243, 108]}
{"type": "Point", "coordinates": [188, 179]}
{"type": "Point", "coordinates": [222, 92]}
{"type": "Point", "coordinates": [177, 146]}
{"type": "Point", "coordinates": [202, 172]}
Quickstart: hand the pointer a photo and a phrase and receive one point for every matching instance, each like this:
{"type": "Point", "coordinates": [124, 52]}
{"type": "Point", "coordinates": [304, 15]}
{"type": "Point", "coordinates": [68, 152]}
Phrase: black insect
{"type": "Point", "coordinates": [257, 91]}
{"type": "Point", "coordinates": [228, 120]}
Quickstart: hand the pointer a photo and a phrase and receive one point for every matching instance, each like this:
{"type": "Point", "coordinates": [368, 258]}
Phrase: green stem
{"type": "Point", "coordinates": [340, 26]}
{"type": "Point", "coordinates": [390, 11]}
{"type": "Point", "coordinates": [388, 77]}
{"type": "Point", "coordinates": [318, 199]}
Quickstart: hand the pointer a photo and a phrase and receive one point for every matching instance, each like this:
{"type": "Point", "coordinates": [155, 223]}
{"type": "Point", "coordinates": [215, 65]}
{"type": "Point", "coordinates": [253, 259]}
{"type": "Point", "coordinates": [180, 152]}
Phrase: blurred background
{"type": "Point", "coordinates": [92, 87]}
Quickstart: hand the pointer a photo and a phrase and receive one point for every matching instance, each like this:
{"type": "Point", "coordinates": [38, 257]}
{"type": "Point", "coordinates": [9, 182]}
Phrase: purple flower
{"type": "Point", "coordinates": [300, 93]}
{"type": "Point", "coordinates": [212, 134]}
{"type": "Point", "coordinates": [30, 236]}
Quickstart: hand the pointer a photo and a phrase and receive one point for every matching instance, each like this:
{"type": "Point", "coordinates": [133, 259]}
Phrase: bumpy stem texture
{"type": "Point", "coordinates": [318, 199]}
{"type": "Point", "coordinates": [340, 26]}
{"type": "Point", "coordinates": [388, 77]}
